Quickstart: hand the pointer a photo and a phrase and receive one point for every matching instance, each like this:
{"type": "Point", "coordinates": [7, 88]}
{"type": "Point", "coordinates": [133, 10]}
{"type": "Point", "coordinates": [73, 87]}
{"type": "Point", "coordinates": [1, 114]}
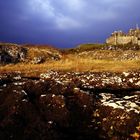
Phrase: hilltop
{"type": "Point", "coordinates": [33, 59]}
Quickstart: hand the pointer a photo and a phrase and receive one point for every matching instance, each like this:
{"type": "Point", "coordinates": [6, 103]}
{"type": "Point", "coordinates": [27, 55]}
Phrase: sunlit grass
{"type": "Point", "coordinates": [73, 64]}
{"type": "Point", "coordinates": [85, 57]}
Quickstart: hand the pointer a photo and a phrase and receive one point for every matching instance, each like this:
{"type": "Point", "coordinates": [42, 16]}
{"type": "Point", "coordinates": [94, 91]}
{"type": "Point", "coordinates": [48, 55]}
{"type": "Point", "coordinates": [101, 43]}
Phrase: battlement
{"type": "Point", "coordinates": [121, 38]}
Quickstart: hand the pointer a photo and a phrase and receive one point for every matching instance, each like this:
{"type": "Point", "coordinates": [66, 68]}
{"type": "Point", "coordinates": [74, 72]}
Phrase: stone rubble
{"type": "Point", "coordinates": [70, 105]}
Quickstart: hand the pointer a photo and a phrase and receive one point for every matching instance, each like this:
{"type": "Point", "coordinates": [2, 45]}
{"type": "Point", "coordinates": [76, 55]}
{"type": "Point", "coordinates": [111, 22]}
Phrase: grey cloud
{"type": "Point", "coordinates": [65, 23]}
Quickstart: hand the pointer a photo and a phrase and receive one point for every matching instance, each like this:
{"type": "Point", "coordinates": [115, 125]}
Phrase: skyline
{"type": "Point", "coordinates": [65, 23]}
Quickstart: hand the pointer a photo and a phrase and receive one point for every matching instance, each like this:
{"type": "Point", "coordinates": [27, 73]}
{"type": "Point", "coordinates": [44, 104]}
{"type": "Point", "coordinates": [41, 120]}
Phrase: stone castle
{"type": "Point", "coordinates": [120, 38]}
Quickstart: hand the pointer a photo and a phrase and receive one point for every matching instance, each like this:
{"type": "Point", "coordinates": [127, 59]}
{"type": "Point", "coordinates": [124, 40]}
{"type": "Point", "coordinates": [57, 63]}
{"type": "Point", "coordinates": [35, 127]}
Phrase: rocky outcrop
{"type": "Point", "coordinates": [110, 55]}
{"type": "Point", "coordinates": [121, 47]}
{"type": "Point", "coordinates": [69, 105]}
{"type": "Point", "coordinates": [37, 60]}
{"type": "Point", "coordinates": [49, 56]}
{"type": "Point", "coordinates": [12, 54]}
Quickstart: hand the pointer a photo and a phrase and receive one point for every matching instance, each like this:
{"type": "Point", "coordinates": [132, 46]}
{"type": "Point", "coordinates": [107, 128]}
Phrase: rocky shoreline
{"type": "Point", "coordinates": [70, 105]}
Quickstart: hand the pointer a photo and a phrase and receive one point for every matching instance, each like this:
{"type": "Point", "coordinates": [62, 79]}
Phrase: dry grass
{"type": "Point", "coordinates": [74, 61]}
{"type": "Point", "coordinates": [73, 64]}
{"type": "Point", "coordinates": [40, 52]}
{"type": "Point", "coordinates": [82, 58]}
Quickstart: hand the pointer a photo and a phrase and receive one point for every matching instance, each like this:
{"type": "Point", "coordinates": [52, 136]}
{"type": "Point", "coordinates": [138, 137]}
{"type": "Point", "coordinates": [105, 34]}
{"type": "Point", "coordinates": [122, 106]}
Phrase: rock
{"type": "Point", "coordinates": [4, 79]}
{"type": "Point", "coordinates": [34, 90]}
{"type": "Point", "coordinates": [114, 123]}
{"type": "Point", "coordinates": [56, 56]}
{"type": "Point", "coordinates": [109, 47]}
{"type": "Point", "coordinates": [117, 118]}
{"type": "Point", "coordinates": [12, 54]}
{"type": "Point", "coordinates": [37, 60]}
{"type": "Point", "coordinates": [70, 105]}
{"type": "Point", "coordinates": [54, 110]}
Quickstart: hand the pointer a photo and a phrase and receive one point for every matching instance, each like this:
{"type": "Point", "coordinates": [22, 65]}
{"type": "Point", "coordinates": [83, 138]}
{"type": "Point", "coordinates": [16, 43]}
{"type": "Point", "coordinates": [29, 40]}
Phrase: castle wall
{"type": "Point", "coordinates": [118, 37]}
{"type": "Point", "coordinates": [124, 39]}
{"type": "Point", "coordinates": [119, 40]}
{"type": "Point", "coordinates": [111, 40]}
{"type": "Point", "coordinates": [134, 40]}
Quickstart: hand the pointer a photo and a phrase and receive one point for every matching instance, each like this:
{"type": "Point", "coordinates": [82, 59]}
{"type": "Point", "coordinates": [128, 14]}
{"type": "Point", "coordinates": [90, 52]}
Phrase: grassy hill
{"type": "Point", "coordinates": [84, 57]}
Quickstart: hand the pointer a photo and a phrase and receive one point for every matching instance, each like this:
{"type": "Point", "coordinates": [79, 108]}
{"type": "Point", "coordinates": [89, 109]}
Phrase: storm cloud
{"type": "Point", "coordinates": [65, 23]}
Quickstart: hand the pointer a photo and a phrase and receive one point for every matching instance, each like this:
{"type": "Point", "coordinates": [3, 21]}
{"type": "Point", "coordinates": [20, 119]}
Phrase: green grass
{"type": "Point", "coordinates": [84, 47]}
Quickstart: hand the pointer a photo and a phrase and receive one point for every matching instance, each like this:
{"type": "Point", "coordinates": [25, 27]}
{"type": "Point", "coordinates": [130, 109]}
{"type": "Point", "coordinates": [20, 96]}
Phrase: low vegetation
{"type": "Point", "coordinates": [92, 47]}
{"type": "Point", "coordinates": [86, 47]}
{"type": "Point", "coordinates": [85, 57]}
{"type": "Point", "coordinates": [73, 64]}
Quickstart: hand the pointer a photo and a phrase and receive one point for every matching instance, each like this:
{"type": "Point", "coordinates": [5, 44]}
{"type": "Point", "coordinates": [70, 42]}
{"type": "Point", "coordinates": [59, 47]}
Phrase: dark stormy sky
{"type": "Point", "coordinates": [65, 23]}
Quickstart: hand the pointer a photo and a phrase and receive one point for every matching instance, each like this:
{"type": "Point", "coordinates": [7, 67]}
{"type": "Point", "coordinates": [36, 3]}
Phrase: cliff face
{"type": "Point", "coordinates": [12, 54]}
